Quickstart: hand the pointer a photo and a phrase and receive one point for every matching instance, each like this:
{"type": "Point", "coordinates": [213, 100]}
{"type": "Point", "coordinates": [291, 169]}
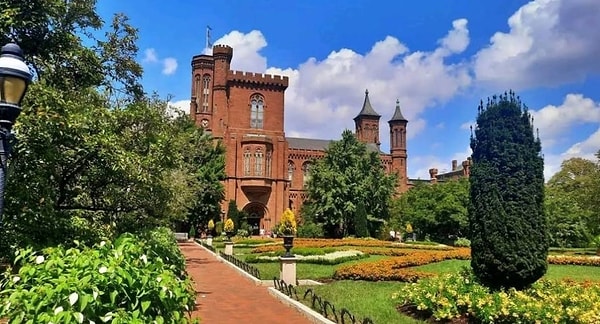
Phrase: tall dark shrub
{"type": "Point", "coordinates": [234, 214]}
{"type": "Point", "coordinates": [361, 225]}
{"type": "Point", "coordinates": [509, 240]}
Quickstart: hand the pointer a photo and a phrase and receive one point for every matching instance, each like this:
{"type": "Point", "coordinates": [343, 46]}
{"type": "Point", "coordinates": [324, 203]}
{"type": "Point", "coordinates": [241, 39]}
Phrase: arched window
{"type": "Point", "coordinates": [290, 170]}
{"type": "Point", "coordinates": [257, 105]}
{"type": "Point", "coordinates": [247, 155]}
{"type": "Point", "coordinates": [197, 94]}
{"type": "Point", "coordinates": [305, 173]}
{"type": "Point", "coordinates": [268, 163]}
{"type": "Point", "coordinates": [205, 92]}
{"type": "Point", "coordinates": [259, 155]}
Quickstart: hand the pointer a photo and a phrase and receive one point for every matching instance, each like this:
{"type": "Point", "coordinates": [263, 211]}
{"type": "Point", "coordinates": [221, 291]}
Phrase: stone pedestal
{"type": "Point", "coordinates": [229, 248]}
{"type": "Point", "coordinates": [287, 270]}
{"type": "Point", "coordinates": [209, 240]}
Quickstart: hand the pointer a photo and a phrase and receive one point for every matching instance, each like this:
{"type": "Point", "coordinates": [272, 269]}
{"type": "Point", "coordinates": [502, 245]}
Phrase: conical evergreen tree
{"type": "Point", "coordinates": [509, 240]}
{"type": "Point", "coordinates": [361, 224]}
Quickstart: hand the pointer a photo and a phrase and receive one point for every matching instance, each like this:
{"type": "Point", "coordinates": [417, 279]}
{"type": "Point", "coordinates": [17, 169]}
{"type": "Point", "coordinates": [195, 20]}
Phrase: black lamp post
{"type": "Point", "coordinates": [14, 79]}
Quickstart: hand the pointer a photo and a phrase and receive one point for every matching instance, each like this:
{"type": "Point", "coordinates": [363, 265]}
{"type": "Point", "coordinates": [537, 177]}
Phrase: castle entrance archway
{"type": "Point", "coordinates": [256, 213]}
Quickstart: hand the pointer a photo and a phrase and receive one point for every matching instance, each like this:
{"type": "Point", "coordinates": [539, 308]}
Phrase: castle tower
{"type": "Point", "coordinates": [209, 95]}
{"type": "Point", "coordinates": [367, 123]}
{"type": "Point", "coordinates": [398, 146]}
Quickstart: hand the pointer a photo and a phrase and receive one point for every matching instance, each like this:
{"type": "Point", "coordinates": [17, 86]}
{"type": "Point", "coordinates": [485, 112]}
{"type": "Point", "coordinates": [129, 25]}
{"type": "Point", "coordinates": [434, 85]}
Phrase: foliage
{"type": "Point", "coordinates": [127, 281]}
{"type": "Point", "coordinates": [96, 156]}
{"type": "Point", "coordinates": [439, 210]}
{"type": "Point", "coordinates": [233, 213]}
{"type": "Point", "coordinates": [287, 225]}
{"type": "Point", "coordinates": [462, 242]}
{"type": "Point", "coordinates": [459, 294]}
{"type": "Point", "coordinates": [211, 225]}
{"type": "Point", "coordinates": [409, 228]}
{"type": "Point", "coordinates": [310, 230]}
{"type": "Point", "coordinates": [229, 227]}
{"type": "Point", "coordinates": [361, 225]}
{"type": "Point", "coordinates": [508, 231]}
{"type": "Point", "coordinates": [347, 175]}
{"type": "Point", "coordinates": [571, 203]}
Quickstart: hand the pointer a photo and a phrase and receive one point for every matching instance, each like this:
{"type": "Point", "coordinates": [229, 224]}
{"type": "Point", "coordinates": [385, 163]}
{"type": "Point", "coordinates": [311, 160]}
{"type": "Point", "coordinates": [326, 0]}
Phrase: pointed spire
{"type": "Point", "coordinates": [367, 109]}
{"type": "Point", "coordinates": [398, 113]}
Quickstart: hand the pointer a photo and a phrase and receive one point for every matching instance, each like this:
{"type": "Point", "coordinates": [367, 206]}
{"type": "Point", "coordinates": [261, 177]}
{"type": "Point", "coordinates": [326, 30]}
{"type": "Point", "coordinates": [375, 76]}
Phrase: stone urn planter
{"type": "Point", "coordinates": [229, 235]}
{"type": "Point", "coordinates": [288, 244]}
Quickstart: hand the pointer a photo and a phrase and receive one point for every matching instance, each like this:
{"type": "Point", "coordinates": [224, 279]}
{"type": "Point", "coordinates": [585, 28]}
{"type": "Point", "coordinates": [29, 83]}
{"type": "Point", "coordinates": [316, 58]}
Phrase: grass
{"type": "Point", "coordinates": [307, 270]}
{"type": "Point", "coordinates": [577, 273]}
{"type": "Point", "coordinates": [362, 299]}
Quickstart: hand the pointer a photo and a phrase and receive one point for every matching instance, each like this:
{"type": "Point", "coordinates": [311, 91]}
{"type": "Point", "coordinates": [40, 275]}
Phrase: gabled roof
{"type": "Point", "coordinates": [320, 144]}
{"type": "Point", "coordinates": [398, 113]}
{"type": "Point", "coordinates": [367, 109]}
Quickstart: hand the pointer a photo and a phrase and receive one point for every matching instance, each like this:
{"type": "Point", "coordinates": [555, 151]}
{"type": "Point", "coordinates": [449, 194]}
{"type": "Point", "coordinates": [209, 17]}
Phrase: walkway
{"type": "Point", "coordinates": [226, 297]}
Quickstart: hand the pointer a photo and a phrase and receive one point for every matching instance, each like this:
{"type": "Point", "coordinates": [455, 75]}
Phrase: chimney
{"type": "Point", "coordinates": [454, 165]}
{"type": "Point", "coordinates": [433, 175]}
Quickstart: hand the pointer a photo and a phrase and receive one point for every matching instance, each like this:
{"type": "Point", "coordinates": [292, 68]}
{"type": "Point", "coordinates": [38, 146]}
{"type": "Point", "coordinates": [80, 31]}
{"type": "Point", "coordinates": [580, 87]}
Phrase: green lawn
{"type": "Point", "coordinates": [578, 273]}
{"type": "Point", "coordinates": [362, 299]}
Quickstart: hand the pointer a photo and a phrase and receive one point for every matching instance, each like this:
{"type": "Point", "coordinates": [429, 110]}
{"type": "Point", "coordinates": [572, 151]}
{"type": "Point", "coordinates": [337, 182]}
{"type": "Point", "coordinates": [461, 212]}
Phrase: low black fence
{"type": "Point", "coordinates": [324, 307]}
{"type": "Point", "coordinates": [253, 271]}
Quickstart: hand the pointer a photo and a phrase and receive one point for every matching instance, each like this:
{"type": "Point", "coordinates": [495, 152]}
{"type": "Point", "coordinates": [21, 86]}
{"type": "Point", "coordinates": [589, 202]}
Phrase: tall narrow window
{"type": "Point", "coordinates": [205, 92]}
{"type": "Point", "coordinates": [290, 170]}
{"type": "Point", "coordinates": [396, 132]}
{"type": "Point", "coordinates": [197, 94]}
{"type": "Point", "coordinates": [268, 163]}
{"type": "Point", "coordinates": [259, 155]}
{"type": "Point", "coordinates": [247, 155]}
{"type": "Point", "coordinates": [402, 138]}
{"type": "Point", "coordinates": [257, 104]}
{"type": "Point", "coordinates": [305, 173]}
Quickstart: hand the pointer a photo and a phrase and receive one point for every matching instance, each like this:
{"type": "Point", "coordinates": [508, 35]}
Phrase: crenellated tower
{"type": "Point", "coordinates": [367, 123]}
{"type": "Point", "coordinates": [209, 89]}
{"type": "Point", "coordinates": [398, 146]}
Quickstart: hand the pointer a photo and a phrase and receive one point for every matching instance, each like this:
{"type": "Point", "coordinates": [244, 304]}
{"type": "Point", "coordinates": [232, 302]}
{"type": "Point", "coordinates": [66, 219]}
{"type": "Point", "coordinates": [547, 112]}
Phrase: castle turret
{"type": "Point", "coordinates": [398, 146]}
{"type": "Point", "coordinates": [367, 123]}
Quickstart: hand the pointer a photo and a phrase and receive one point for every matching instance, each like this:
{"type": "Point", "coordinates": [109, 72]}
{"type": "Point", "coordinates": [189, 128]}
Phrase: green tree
{"type": "Point", "coordinates": [577, 184]}
{"type": "Point", "coordinates": [234, 214]}
{"type": "Point", "coordinates": [509, 239]}
{"type": "Point", "coordinates": [438, 210]}
{"type": "Point", "coordinates": [347, 175]}
{"type": "Point", "coordinates": [361, 225]}
{"type": "Point", "coordinates": [95, 155]}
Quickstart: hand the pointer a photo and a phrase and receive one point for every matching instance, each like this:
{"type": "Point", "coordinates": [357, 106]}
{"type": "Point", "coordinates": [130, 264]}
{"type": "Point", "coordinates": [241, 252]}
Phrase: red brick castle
{"type": "Point", "coordinates": [267, 171]}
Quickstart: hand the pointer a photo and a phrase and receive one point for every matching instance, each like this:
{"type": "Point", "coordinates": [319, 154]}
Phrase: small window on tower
{"type": "Point", "coordinates": [205, 92]}
{"type": "Point", "coordinates": [257, 105]}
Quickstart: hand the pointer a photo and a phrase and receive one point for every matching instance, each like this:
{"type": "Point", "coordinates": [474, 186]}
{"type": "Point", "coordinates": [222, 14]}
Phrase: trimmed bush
{"type": "Point", "coordinates": [509, 240]}
{"type": "Point", "coordinates": [127, 281]}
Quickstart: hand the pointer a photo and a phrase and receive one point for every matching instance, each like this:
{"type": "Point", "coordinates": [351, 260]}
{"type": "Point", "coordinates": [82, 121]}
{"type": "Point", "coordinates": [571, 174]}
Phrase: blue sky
{"type": "Point", "coordinates": [439, 58]}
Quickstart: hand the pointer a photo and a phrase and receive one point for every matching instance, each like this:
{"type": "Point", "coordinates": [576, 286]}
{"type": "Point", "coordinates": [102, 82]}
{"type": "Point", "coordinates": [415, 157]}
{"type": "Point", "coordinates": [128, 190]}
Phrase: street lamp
{"type": "Point", "coordinates": [14, 79]}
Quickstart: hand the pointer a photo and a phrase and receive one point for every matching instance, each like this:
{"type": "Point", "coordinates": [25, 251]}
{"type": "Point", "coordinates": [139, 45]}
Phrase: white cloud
{"type": "Point", "coordinates": [246, 50]}
{"type": "Point", "coordinates": [150, 56]}
{"type": "Point", "coordinates": [169, 66]}
{"type": "Point", "coordinates": [555, 121]}
{"type": "Point", "coordinates": [426, 162]}
{"type": "Point", "coordinates": [550, 42]}
{"type": "Point", "coordinates": [178, 107]}
{"type": "Point", "coordinates": [326, 94]}
{"type": "Point", "coordinates": [585, 149]}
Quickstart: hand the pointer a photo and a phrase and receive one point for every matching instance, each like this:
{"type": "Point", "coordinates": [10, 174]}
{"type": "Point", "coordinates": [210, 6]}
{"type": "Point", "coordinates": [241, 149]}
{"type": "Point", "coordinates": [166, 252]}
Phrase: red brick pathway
{"type": "Point", "coordinates": [224, 296]}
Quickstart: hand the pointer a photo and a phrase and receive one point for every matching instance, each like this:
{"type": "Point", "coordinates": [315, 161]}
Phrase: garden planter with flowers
{"type": "Point", "coordinates": [229, 228]}
{"type": "Point", "coordinates": [211, 227]}
{"type": "Point", "coordinates": [287, 229]}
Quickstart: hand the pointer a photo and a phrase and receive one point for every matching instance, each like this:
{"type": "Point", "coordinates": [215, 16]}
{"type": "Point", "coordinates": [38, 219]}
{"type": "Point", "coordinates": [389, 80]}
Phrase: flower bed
{"type": "Point", "coordinates": [574, 260]}
{"type": "Point", "coordinates": [323, 243]}
{"type": "Point", "coordinates": [459, 295]}
{"type": "Point", "coordinates": [334, 257]}
{"type": "Point", "coordinates": [394, 268]}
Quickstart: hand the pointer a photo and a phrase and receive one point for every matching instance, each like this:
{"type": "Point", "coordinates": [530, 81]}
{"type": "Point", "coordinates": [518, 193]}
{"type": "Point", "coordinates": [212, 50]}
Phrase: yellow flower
{"type": "Point", "coordinates": [287, 226]}
{"type": "Point", "coordinates": [228, 227]}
